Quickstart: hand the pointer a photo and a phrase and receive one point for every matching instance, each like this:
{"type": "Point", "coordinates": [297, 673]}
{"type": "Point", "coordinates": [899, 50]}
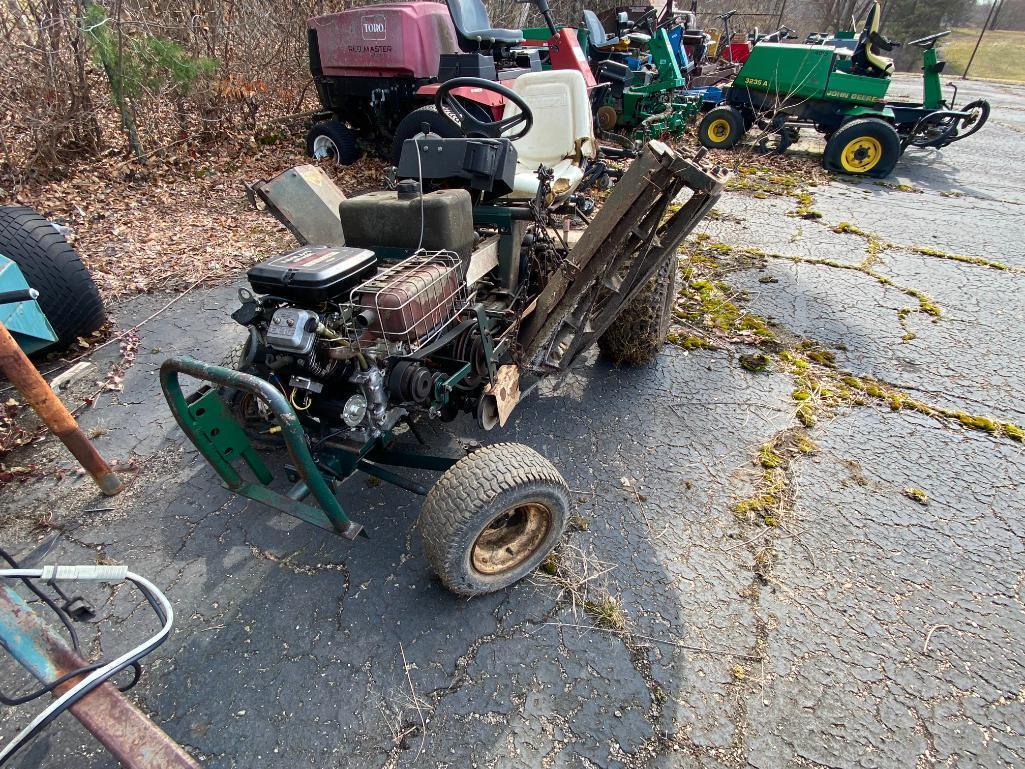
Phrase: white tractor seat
{"type": "Point", "coordinates": [562, 137]}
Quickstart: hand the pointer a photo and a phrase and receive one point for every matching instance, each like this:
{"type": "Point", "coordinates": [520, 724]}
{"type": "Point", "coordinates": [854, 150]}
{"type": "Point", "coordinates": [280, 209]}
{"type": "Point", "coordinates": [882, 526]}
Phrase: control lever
{"type": "Point", "coordinates": [18, 295]}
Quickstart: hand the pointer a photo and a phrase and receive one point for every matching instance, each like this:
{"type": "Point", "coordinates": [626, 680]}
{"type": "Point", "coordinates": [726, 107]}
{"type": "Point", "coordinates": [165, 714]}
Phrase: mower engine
{"type": "Point", "coordinates": [335, 331]}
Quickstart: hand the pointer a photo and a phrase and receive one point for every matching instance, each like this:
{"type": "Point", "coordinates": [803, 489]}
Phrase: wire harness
{"type": "Point", "coordinates": [95, 675]}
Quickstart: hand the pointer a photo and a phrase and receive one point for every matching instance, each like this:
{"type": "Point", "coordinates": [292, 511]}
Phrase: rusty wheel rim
{"type": "Point", "coordinates": [511, 538]}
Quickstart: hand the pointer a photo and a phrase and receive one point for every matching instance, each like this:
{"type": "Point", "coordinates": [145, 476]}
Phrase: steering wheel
{"type": "Point", "coordinates": [644, 20]}
{"type": "Point", "coordinates": [928, 41]}
{"type": "Point", "coordinates": [446, 101]}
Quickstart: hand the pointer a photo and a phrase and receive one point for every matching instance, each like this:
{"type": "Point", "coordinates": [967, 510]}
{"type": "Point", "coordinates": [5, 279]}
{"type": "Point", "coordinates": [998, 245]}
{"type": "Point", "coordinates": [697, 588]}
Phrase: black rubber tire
{"type": "Point", "coordinates": [67, 294]}
{"type": "Point", "coordinates": [344, 140]}
{"type": "Point", "coordinates": [440, 123]}
{"type": "Point", "coordinates": [735, 125]}
{"type": "Point", "coordinates": [983, 106]}
{"type": "Point", "coordinates": [472, 494]}
{"type": "Point", "coordinates": [871, 128]}
{"type": "Point", "coordinates": [636, 336]}
{"type": "Point", "coordinates": [255, 428]}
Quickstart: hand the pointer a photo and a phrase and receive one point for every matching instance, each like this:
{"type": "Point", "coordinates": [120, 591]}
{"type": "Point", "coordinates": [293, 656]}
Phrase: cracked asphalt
{"type": "Point", "coordinates": [869, 631]}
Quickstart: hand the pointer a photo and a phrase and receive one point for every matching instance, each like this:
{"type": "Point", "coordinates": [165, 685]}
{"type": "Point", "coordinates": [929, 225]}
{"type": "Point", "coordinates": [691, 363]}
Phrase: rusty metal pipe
{"type": "Point", "coordinates": [37, 392]}
{"type": "Point", "coordinates": [134, 740]}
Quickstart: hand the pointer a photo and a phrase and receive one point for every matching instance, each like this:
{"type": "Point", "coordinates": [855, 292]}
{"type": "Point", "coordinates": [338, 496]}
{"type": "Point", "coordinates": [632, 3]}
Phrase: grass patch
{"type": "Point", "coordinates": [772, 499]}
{"type": "Point", "coordinates": [899, 187]}
{"type": "Point", "coordinates": [925, 302]}
{"type": "Point", "coordinates": [768, 458]}
{"type": "Point", "coordinates": [754, 362]}
{"type": "Point", "coordinates": [1001, 55]}
{"type": "Point", "coordinates": [804, 209]}
{"type": "Point", "coordinates": [606, 612]}
{"type": "Point", "coordinates": [689, 341]}
{"type": "Point", "coordinates": [579, 523]}
{"type": "Point", "coordinates": [821, 389]}
{"type": "Point", "coordinates": [977, 260]}
{"type": "Point", "coordinates": [707, 303]}
{"type": "Point", "coordinates": [916, 494]}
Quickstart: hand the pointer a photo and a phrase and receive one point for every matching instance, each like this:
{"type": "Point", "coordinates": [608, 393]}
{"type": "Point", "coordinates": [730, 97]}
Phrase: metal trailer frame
{"type": "Point", "coordinates": [132, 738]}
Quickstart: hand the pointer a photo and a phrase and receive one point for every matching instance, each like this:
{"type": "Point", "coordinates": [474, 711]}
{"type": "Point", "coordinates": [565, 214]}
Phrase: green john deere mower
{"type": "Point", "coordinates": [842, 94]}
{"type": "Point", "coordinates": [647, 102]}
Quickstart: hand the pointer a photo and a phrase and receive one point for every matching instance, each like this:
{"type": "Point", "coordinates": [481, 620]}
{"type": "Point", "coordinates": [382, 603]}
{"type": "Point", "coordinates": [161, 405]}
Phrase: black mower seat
{"type": "Point", "coordinates": [473, 26]}
{"type": "Point", "coordinates": [596, 34]}
{"type": "Point", "coordinates": [866, 59]}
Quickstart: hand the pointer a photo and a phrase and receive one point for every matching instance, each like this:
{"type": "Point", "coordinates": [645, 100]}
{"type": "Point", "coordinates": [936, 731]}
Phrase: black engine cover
{"type": "Point", "coordinates": [313, 273]}
{"type": "Point", "coordinates": [487, 164]}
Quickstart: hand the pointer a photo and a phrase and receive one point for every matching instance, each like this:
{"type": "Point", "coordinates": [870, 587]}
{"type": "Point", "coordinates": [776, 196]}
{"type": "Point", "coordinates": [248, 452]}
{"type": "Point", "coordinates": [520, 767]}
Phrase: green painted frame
{"type": "Point", "coordinates": [206, 421]}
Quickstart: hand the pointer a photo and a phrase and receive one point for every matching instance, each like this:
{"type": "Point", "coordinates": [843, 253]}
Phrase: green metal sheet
{"type": "Point", "coordinates": [860, 89]}
{"type": "Point", "coordinates": [793, 71]}
{"type": "Point", "coordinates": [25, 320]}
{"type": "Point", "coordinates": [536, 34]}
{"type": "Point", "coordinates": [669, 76]}
{"type": "Point", "coordinates": [224, 434]}
{"type": "Point", "coordinates": [858, 110]}
{"type": "Point", "coordinates": [932, 93]}
{"type": "Point", "coordinates": [542, 34]}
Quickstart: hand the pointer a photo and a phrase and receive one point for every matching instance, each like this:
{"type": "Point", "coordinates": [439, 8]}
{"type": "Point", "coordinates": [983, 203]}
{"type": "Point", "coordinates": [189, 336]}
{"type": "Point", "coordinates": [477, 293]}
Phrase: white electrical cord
{"type": "Point", "coordinates": [96, 677]}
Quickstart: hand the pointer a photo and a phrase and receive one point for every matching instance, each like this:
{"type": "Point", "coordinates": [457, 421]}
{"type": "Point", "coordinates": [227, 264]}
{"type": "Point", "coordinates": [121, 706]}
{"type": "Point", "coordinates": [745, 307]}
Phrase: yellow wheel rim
{"type": "Point", "coordinates": [719, 129]}
{"type": "Point", "coordinates": [861, 155]}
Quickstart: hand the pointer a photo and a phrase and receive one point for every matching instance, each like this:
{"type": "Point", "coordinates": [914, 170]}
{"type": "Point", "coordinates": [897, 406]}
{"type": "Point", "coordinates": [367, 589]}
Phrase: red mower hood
{"type": "Point", "coordinates": [395, 39]}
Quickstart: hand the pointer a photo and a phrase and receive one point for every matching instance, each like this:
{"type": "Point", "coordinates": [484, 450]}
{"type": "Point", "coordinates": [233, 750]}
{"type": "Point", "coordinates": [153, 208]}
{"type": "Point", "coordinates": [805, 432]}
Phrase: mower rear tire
{"type": "Point", "coordinates": [332, 139]}
{"type": "Point", "coordinates": [864, 147]}
{"type": "Point", "coordinates": [412, 124]}
{"type": "Point", "coordinates": [722, 128]}
{"type": "Point", "coordinates": [492, 518]}
{"type": "Point", "coordinates": [67, 295]}
{"type": "Point", "coordinates": [636, 336]}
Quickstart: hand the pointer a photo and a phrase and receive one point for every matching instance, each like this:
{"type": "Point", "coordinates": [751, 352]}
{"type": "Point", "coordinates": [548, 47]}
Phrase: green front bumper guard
{"type": "Point", "coordinates": [205, 419]}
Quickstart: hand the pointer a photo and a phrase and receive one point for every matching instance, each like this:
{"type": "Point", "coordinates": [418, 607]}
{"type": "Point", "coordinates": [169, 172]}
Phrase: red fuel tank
{"type": "Point", "coordinates": [393, 39]}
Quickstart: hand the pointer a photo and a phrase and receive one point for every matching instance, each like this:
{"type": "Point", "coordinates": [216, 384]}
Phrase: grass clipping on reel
{"type": "Point", "coordinates": [636, 335]}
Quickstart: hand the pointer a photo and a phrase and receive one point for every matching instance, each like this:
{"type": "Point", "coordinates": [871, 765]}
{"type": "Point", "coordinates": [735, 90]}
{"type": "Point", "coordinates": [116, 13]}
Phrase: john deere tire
{"type": "Point", "coordinates": [863, 147]}
{"type": "Point", "coordinates": [67, 294]}
{"type": "Point", "coordinates": [492, 518]}
{"type": "Point", "coordinates": [721, 128]}
{"type": "Point", "coordinates": [412, 124]}
{"type": "Point", "coordinates": [637, 334]}
{"type": "Point", "coordinates": [332, 139]}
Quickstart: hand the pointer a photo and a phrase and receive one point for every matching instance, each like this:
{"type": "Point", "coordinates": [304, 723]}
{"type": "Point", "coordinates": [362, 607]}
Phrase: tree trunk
{"type": "Point", "coordinates": [112, 68]}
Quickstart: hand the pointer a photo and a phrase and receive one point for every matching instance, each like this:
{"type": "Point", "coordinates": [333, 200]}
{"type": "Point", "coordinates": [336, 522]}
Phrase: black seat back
{"type": "Point", "coordinates": [596, 34]}
{"type": "Point", "coordinates": [473, 26]}
{"type": "Point", "coordinates": [861, 64]}
{"type": "Point", "coordinates": [617, 74]}
{"type": "Point", "coordinates": [487, 165]}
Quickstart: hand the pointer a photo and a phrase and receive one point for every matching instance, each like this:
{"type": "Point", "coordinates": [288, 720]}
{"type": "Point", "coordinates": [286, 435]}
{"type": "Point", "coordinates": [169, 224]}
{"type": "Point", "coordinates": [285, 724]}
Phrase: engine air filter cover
{"type": "Point", "coordinates": [313, 273]}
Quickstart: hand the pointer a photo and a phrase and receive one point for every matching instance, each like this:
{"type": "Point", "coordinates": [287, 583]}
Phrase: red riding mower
{"type": "Point", "coordinates": [377, 69]}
